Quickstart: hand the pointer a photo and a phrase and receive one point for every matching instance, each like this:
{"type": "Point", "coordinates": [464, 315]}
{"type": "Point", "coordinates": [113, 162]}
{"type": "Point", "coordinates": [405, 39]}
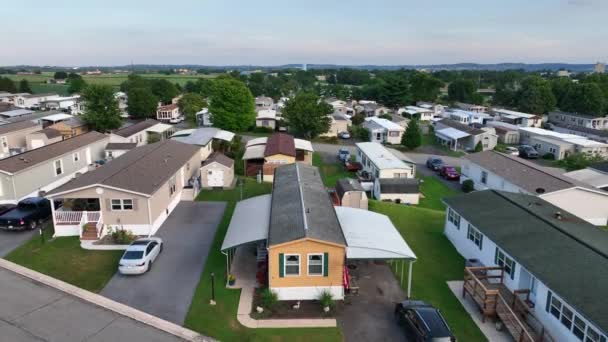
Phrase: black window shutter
{"type": "Point", "coordinates": [548, 306]}
{"type": "Point", "coordinates": [325, 264]}
{"type": "Point", "coordinates": [281, 264]}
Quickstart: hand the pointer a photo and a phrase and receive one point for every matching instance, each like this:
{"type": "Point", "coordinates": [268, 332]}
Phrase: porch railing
{"type": "Point", "coordinates": [67, 217]}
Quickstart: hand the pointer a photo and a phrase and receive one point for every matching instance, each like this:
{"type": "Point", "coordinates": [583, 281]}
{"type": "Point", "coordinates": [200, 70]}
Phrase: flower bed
{"type": "Point", "coordinates": [285, 309]}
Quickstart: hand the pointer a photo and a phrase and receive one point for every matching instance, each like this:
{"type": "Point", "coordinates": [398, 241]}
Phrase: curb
{"type": "Point", "coordinates": [121, 309]}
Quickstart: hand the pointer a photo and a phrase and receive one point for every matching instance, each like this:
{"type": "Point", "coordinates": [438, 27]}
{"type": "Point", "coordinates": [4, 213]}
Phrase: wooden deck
{"type": "Point", "coordinates": [485, 285]}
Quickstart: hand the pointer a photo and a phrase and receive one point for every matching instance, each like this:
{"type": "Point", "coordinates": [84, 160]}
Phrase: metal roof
{"type": "Point", "coordinates": [249, 222]}
{"type": "Point", "coordinates": [16, 112]}
{"type": "Point", "coordinates": [452, 133]}
{"type": "Point", "coordinates": [370, 235]}
{"type": "Point", "coordinates": [254, 152]}
{"type": "Point", "coordinates": [57, 117]}
{"type": "Point", "coordinates": [202, 136]}
{"type": "Point", "coordinates": [381, 157]}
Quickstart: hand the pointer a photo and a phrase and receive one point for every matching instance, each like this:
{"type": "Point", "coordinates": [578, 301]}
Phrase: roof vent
{"type": "Point", "coordinates": [540, 190]}
{"type": "Point", "coordinates": [558, 215]}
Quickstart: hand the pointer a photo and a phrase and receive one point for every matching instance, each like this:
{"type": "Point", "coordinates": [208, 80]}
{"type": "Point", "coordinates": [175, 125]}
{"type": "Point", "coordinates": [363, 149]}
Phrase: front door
{"type": "Point", "coordinates": [215, 177]}
{"type": "Point", "coordinates": [528, 282]}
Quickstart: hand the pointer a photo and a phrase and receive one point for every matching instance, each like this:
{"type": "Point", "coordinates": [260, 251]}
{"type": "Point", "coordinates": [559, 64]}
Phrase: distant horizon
{"type": "Point", "coordinates": [271, 32]}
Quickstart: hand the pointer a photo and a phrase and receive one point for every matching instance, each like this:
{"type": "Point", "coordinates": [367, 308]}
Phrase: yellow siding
{"type": "Point", "coordinates": [336, 256]}
{"type": "Point", "coordinates": [280, 158]}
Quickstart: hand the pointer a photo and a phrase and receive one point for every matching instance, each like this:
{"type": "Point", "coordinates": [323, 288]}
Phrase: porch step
{"type": "Point", "coordinates": [89, 232]}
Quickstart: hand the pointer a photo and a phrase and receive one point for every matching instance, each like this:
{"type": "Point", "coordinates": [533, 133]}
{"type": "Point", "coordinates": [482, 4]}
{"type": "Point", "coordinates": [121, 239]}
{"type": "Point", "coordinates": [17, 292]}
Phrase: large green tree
{"type": "Point", "coordinates": [536, 96]}
{"type": "Point", "coordinates": [190, 104]}
{"type": "Point", "coordinates": [6, 84]}
{"type": "Point", "coordinates": [101, 109]}
{"type": "Point", "coordinates": [307, 116]}
{"type": "Point", "coordinates": [164, 90]}
{"type": "Point", "coordinates": [232, 106]}
{"type": "Point", "coordinates": [424, 87]}
{"type": "Point", "coordinates": [141, 103]}
{"type": "Point", "coordinates": [394, 92]}
{"type": "Point", "coordinates": [585, 98]}
{"type": "Point", "coordinates": [412, 137]}
{"type": "Point", "coordinates": [24, 86]}
{"type": "Point", "coordinates": [60, 75]}
{"type": "Point", "coordinates": [76, 84]}
{"type": "Point", "coordinates": [464, 90]}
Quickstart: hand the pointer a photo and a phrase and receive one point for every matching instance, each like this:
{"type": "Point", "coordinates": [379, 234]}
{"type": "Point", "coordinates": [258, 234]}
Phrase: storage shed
{"type": "Point", "coordinates": [217, 171]}
{"type": "Point", "coordinates": [351, 193]}
{"type": "Point", "coordinates": [398, 190]}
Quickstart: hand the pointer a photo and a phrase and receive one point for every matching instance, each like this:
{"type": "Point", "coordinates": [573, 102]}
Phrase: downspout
{"type": "Point", "coordinates": [409, 279]}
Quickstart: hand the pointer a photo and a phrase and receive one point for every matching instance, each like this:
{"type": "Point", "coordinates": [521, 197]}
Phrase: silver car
{"type": "Point", "coordinates": [140, 256]}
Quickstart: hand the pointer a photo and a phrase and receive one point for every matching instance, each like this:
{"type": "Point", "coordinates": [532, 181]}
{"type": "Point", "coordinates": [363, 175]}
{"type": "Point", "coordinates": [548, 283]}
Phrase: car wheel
{"type": "Point", "coordinates": [161, 248]}
{"type": "Point", "coordinates": [33, 225]}
{"type": "Point", "coordinates": [149, 266]}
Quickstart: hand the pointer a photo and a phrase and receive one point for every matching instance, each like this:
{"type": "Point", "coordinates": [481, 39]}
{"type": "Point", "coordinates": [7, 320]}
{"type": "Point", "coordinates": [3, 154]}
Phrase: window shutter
{"type": "Point", "coordinates": [496, 256]}
{"type": "Point", "coordinates": [513, 270]}
{"type": "Point", "coordinates": [134, 203]}
{"type": "Point", "coordinates": [548, 305]}
{"type": "Point", "coordinates": [481, 243]}
{"type": "Point", "coordinates": [281, 265]}
{"type": "Point", "coordinates": [325, 264]}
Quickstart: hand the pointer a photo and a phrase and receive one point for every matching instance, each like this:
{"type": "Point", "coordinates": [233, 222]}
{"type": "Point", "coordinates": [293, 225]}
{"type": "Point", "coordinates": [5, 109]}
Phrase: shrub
{"type": "Point", "coordinates": [326, 299]}
{"type": "Point", "coordinates": [548, 156]}
{"type": "Point", "coordinates": [262, 130]}
{"type": "Point", "coordinates": [122, 236]}
{"type": "Point", "coordinates": [360, 133]}
{"type": "Point", "coordinates": [468, 186]}
{"type": "Point", "coordinates": [269, 298]}
{"type": "Point", "coordinates": [478, 147]}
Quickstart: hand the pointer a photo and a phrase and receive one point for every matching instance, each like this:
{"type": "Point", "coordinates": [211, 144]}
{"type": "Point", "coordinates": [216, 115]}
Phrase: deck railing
{"type": "Point", "coordinates": [63, 217]}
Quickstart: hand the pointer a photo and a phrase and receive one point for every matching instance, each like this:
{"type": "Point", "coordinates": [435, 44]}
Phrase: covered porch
{"type": "Point", "coordinates": [78, 216]}
{"type": "Point", "coordinates": [450, 138]}
{"type": "Point", "coordinates": [485, 285]}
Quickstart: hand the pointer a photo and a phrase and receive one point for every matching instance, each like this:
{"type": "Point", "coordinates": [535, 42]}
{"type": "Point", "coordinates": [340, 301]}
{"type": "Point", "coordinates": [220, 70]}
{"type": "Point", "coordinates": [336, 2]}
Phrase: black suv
{"type": "Point", "coordinates": [422, 322]}
{"type": "Point", "coordinates": [528, 152]}
{"type": "Point", "coordinates": [434, 163]}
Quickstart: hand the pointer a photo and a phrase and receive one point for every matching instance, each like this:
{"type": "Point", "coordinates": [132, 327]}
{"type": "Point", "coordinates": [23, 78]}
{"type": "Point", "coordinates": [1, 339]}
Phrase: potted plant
{"type": "Point", "coordinates": [327, 301]}
{"type": "Point", "coordinates": [231, 279]}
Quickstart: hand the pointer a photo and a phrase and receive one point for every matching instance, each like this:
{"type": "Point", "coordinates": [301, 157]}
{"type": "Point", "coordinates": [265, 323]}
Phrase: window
{"type": "Point", "coordinates": [484, 177]}
{"type": "Point", "coordinates": [475, 236]}
{"type": "Point", "coordinates": [501, 259]}
{"type": "Point", "coordinates": [315, 264]}
{"type": "Point", "coordinates": [121, 204]}
{"type": "Point", "coordinates": [76, 157]}
{"type": "Point", "coordinates": [110, 154]}
{"type": "Point", "coordinates": [578, 327]}
{"type": "Point", "coordinates": [58, 167]}
{"type": "Point", "coordinates": [454, 218]}
{"type": "Point", "coordinates": [400, 175]}
{"type": "Point", "coordinates": [393, 133]}
{"type": "Point", "coordinates": [172, 186]}
{"type": "Point", "coordinates": [292, 264]}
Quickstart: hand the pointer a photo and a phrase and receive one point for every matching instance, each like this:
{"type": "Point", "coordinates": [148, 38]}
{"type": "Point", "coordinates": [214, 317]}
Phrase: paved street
{"type": "Point", "coordinates": [32, 312]}
{"type": "Point", "coordinates": [166, 291]}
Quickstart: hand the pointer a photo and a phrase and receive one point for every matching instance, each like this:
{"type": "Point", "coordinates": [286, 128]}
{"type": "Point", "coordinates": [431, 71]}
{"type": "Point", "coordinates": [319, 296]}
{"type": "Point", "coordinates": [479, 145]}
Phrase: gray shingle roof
{"type": "Point", "coordinates": [570, 256]}
{"type": "Point", "coordinates": [20, 162]}
{"type": "Point", "coordinates": [399, 185]}
{"type": "Point", "coordinates": [464, 128]}
{"type": "Point", "coordinates": [141, 170]}
{"type": "Point", "coordinates": [520, 172]}
{"type": "Point", "coordinates": [121, 146]}
{"type": "Point", "coordinates": [219, 158]}
{"type": "Point", "coordinates": [135, 128]}
{"type": "Point", "coordinates": [16, 126]}
{"type": "Point", "coordinates": [347, 184]}
{"type": "Point", "coordinates": [301, 207]}
{"type": "Point", "coordinates": [50, 133]}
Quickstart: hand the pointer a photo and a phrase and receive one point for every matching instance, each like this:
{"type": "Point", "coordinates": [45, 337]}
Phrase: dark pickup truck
{"type": "Point", "coordinates": [27, 214]}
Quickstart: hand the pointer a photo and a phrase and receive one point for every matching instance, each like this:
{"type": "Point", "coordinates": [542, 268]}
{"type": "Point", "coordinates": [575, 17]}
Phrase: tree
{"type": "Point", "coordinates": [478, 147]}
{"type": "Point", "coordinates": [585, 98]}
{"type": "Point", "coordinates": [6, 84]}
{"type": "Point", "coordinates": [60, 75]}
{"type": "Point", "coordinates": [535, 96]}
{"type": "Point", "coordinates": [141, 103]}
{"type": "Point", "coordinates": [190, 104]}
{"type": "Point", "coordinates": [232, 106]}
{"type": "Point", "coordinates": [77, 85]}
{"type": "Point", "coordinates": [412, 137]}
{"type": "Point", "coordinates": [307, 115]}
{"type": "Point", "coordinates": [164, 90]}
{"type": "Point", "coordinates": [101, 109]}
{"type": "Point", "coordinates": [464, 90]}
{"type": "Point", "coordinates": [24, 86]}
{"type": "Point", "coordinates": [424, 87]}
{"type": "Point", "coordinates": [357, 119]}
{"type": "Point", "coordinates": [394, 92]}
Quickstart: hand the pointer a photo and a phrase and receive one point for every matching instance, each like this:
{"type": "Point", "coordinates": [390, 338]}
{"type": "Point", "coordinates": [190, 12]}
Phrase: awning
{"type": "Point", "coordinates": [303, 145]}
{"type": "Point", "coordinates": [249, 222]}
{"type": "Point", "coordinates": [256, 141]}
{"type": "Point", "coordinates": [159, 128]}
{"type": "Point", "coordinates": [224, 135]}
{"type": "Point", "coordinates": [370, 235]}
{"type": "Point", "coordinates": [451, 133]}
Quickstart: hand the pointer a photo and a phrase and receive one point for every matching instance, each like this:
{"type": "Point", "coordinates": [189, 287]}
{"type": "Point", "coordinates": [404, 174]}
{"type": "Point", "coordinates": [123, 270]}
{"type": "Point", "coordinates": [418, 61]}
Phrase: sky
{"type": "Point", "coordinates": [270, 32]}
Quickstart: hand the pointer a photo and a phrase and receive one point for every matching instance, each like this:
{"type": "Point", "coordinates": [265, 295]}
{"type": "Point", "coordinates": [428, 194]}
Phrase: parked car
{"type": "Point", "coordinates": [28, 214]}
{"type": "Point", "coordinates": [528, 152]}
{"type": "Point", "coordinates": [140, 255]}
{"type": "Point", "coordinates": [512, 151]}
{"type": "Point", "coordinates": [449, 173]}
{"type": "Point", "coordinates": [343, 154]}
{"type": "Point", "coordinates": [6, 207]}
{"type": "Point", "coordinates": [422, 322]}
{"type": "Point", "coordinates": [344, 135]}
{"type": "Point", "coordinates": [434, 163]}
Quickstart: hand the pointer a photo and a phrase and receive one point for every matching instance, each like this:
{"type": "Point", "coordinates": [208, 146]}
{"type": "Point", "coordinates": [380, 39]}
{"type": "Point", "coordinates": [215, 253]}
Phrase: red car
{"type": "Point", "coordinates": [450, 173]}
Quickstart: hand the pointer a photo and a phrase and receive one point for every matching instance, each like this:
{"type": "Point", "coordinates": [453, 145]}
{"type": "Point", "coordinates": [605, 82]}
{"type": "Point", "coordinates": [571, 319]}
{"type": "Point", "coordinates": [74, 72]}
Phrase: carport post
{"type": "Point", "coordinates": [409, 279]}
{"type": "Point", "coordinates": [401, 282]}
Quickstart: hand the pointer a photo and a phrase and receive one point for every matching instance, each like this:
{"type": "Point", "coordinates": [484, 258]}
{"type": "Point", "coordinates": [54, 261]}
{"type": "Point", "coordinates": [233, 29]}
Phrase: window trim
{"type": "Point", "coordinates": [505, 261]}
{"type": "Point", "coordinates": [452, 212]}
{"type": "Point", "coordinates": [122, 204]}
{"type": "Point", "coordinates": [474, 231]}
{"type": "Point", "coordinates": [285, 256]}
{"type": "Point", "coordinates": [575, 316]}
{"type": "Point", "coordinates": [322, 264]}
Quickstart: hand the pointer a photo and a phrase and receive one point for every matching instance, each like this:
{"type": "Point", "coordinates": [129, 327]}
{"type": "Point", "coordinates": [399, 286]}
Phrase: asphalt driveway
{"type": "Point", "coordinates": [368, 316]}
{"type": "Point", "coordinates": [166, 291]}
{"type": "Point", "coordinates": [10, 240]}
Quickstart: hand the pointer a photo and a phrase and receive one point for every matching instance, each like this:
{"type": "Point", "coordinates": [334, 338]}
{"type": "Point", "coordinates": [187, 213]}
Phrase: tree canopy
{"type": "Point", "coordinates": [535, 96]}
{"type": "Point", "coordinates": [190, 104]}
{"type": "Point", "coordinates": [307, 116]}
{"type": "Point", "coordinates": [60, 75]}
{"type": "Point", "coordinates": [76, 84]}
{"type": "Point", "coordinates": [232, 106]}
{"type": "Point", "coordinates": [141, 103]}
{"type": "Point", "coordinates": [6, 84]}
{"type": "Point", "coordinates": [412, 137]}
{"type": "Point", "coordinates": [424, 87]}
{"type": "Point", "coordinates": [101, 109]}
{"type": "Point", "coordinates": [394, 92]}
{"type": "Point", "coordinates": [585, 98]}
{"type": "Point", "coordinates": [24, 86]}
{"type": "Point", "coordinates": [163, 89]}
{"type": "Point", "coordinates": [464, 90]}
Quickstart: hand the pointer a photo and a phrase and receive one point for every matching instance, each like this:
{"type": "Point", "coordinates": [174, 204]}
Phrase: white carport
{"type": "Point", "coordinates": [249, 224]}
{"type": "Point", "coordinates": [372, 236]}
{"type": "Point", "coordinates": [451, 135]}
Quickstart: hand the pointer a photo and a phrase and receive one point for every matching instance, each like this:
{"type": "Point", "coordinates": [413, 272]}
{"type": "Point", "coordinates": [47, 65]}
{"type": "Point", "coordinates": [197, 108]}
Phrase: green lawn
{"type": "Point", "coordinates": [220, 321]}
{"type": "Point", "coordinates": [433, 190]}
{"type": "Point", "coordinates": [437, 263]}
{"type": "Point", "coordinates": [62, 258]}
{"type": "Point", "coordinates": [330, 172]}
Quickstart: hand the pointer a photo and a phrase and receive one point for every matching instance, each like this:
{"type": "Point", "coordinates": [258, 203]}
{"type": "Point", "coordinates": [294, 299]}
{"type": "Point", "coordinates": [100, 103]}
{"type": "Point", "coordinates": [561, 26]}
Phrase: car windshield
{"type": "Point", "coordinates": [450, 169]}
{"type": "Point", "coordinates": [133, 255]}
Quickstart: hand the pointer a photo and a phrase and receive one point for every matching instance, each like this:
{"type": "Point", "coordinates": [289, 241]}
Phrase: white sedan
{"type": "Point", "coordinates": [140, 255]}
